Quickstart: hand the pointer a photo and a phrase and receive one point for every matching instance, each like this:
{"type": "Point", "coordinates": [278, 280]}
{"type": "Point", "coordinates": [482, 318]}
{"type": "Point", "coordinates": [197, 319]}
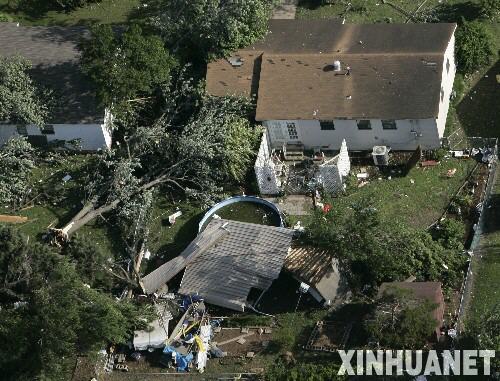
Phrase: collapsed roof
{"type": "Point", "coordinates": [317, 268]}
{"type": "Point", "coordinates": [225, 261]}
{"type": "Point", "coordinates": [55, 57]}
{"type": "Point", "coordinates": [395, 70]}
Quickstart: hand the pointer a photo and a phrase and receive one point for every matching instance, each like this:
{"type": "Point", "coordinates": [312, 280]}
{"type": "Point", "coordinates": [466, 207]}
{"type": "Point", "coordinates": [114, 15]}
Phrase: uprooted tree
{"type": "Point", "coordinates": [188, 156]}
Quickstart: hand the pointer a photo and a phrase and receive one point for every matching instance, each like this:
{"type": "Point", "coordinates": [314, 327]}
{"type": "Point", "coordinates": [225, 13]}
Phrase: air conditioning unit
{"type": "Point", "coordinates": [380, 155]}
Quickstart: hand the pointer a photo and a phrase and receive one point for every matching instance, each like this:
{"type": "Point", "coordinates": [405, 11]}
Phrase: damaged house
{"type": "Point", "coordinates": [76, 115]}
{"type": "Point", "coordinates": [225, 262]}
{"type": "Point", "coordinates": [319, 82]}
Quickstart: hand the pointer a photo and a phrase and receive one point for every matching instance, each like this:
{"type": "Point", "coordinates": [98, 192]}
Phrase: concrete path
{"type": "Point", "coordinates": [293, 205]}
{"type": "Point", "coordinates": [285, 10]}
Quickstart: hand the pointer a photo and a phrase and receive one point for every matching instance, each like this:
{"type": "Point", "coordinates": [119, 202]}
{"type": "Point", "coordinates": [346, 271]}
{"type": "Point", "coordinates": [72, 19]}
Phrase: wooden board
{"type": "Point", "coordinates": [13, 219]}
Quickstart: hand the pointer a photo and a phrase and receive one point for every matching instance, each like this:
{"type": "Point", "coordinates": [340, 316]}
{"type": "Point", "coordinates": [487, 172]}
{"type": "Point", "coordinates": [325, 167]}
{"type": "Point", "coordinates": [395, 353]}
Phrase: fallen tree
{"type": "Point", "coordinates": [192, 157]}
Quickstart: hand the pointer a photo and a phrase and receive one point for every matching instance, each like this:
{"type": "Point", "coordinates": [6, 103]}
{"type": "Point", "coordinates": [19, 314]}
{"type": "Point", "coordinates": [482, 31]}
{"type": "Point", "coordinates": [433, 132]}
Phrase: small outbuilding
{"type": "Point", "coordinates": [430, 291]}
{"type": "Point", "coordinates": [319, 269]}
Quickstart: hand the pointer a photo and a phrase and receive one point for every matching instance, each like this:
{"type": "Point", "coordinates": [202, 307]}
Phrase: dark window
{"type": "Point", "coordinates": [22, 130]}
{"type": "Point", "coordinates": [442, 94]}
{"type": "Point", "coordinates": [292, 131]}
{"type": "Point", "coordinates": [48, 129]}
{"type": "Point", "coordinates": [447, 65]}
{"type": "Point", "coordinates": [327, 125]}
{"type": "Point", "coordinates": [364, 124]}
{"type": "Point", "coordinates": [389, 124]}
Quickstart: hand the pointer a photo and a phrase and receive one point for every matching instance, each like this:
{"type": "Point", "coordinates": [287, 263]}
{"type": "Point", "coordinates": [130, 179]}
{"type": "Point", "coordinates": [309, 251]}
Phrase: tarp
{"type": "Point", "coordinates": [182, 362]}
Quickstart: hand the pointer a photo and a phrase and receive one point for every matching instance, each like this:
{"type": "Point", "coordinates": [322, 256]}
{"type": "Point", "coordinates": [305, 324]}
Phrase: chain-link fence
{"type": "Point", "coordinates": [472, 270]}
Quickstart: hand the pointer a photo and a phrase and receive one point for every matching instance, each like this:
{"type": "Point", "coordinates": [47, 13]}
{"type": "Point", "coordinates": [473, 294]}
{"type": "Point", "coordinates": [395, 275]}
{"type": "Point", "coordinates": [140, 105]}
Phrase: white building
{"type": "Point", "coordinates": [318, 82]}
{"type": "Point", "coordinates": [55, 58]}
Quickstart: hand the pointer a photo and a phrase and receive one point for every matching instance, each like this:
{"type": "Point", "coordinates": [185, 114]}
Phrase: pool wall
{"type": "Point", "coordinates": [236, 199]}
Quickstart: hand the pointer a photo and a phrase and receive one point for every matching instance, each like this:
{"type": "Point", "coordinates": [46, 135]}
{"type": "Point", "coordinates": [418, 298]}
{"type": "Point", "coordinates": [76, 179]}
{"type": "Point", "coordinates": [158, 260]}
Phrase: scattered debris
{"type": "Point", "coordinates": [173, 217]}
{"type": "Point", "coordinates": [451, 172]}
{"type": "Point", "coordinates": [363, 175]}
{"type": "Point", "coordinates": [428, 163]}
{"type": "Point", "coordinates": [241, 341]}
{"type": "Point", "coordinates": [66, 178]}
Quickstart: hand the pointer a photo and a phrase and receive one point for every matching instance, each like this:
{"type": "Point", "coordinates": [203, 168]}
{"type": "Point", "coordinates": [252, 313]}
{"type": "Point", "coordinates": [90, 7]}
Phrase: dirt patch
{"type": "Point", "coordinates": [255, 340]}
{"type": "Point", "coordinates": [329, 336]}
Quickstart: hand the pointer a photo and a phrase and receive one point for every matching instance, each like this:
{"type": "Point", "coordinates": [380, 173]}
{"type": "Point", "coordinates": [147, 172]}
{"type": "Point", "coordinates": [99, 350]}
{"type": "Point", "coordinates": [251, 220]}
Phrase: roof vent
{"type": "Point", "coordinates": [235, 61]}
{"type": "Point", "coordinates": [337, 66]}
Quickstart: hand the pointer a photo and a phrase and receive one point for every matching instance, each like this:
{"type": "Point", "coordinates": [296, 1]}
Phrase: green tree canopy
{"type": "Point", "coordinates": [372, 250]}
{"type": "Point", "coordinates": [125, 65]}
{"type": "Point", "coordinates": [21, 101]}
{"type": "Point", "coordinates": [47, 314]}
{"type": "Point", "coordinates": [400, 321]}
{"type": "Point", "coordinates": [473, 46]}
{"type": "Point", "coordinates": [17, 159]}
{"type": "Point", "coordinates": [212, 28]}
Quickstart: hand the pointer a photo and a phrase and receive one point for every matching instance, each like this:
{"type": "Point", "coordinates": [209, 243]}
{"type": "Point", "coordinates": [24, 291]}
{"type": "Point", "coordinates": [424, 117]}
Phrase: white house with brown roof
{"type": "Point", "coordinates": [55, 57]}
{"type": "Point", "coordinates": [318, 82]}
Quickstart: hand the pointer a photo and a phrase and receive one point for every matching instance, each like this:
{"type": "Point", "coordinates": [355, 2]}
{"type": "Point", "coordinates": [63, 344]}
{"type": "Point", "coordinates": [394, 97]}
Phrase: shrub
{"type": "Point", "coordinates": [473, 46]}
{"type": "Point", "coordinates": [437, 154]}
{"type": "Point", "coordinates": [450, 234]}
{"type": "Point", "coordinates": [490, 8]}
{"type": "Point", "coordinates": [5, 18]}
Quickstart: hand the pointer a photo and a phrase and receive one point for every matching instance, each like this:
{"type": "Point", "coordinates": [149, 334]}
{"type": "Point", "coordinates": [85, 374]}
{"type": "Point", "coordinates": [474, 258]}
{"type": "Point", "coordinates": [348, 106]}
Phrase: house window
{"type": "Point", "coordinates": [364, 124]}
{"type": "Point", "coordinates": [389, 124]}
{"type": "Point", "coordinates": [442, 94]}
{"type": "Point", "coordinates": [447, 65]}
{"type": "Point", "coordinates": [48, 129]}
{"type": "Point", "coordinates": [327, 125]}
{"type": "Point", "coordinates": [22, 130]}
{"type": "Point", "coordinates": [292, 131]}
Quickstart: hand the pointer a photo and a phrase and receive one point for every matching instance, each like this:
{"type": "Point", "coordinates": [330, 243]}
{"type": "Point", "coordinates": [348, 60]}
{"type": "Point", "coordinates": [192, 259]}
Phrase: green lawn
{"type": "Point", "coordinates": [419, 198]}
{"type": "Point", "coordinates": [106, 11]}
{"type": "Point", "coordinates": [486, 286]}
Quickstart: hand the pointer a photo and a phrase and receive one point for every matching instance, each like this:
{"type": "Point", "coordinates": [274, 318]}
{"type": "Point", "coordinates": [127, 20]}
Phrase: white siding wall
{"type": "Point", "coordinates": [449, 70]}
{"type": "Point", "coordinates": [93, 136]}
{"type": "Point", "coordinates": [311, 136]}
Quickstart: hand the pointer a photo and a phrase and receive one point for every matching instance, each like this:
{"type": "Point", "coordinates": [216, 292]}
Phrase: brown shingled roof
{"type": "Point", "coordinates": [396, 86]}
{"type": "Point", "coordinates": [396, 70]}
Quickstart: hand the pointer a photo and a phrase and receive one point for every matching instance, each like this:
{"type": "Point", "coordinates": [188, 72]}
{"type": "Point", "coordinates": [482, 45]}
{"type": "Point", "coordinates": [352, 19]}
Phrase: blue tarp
{"type": "Point", "coordinates": [181, 361]}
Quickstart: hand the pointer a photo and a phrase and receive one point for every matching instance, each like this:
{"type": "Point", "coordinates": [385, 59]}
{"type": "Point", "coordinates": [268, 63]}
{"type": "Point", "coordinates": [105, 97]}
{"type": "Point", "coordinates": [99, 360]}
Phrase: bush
{"type": "Point", "coordinates": [473, 46]}
{"type": "Point", "coordinates": [437, 154]}
{"type": "Point", "coordinates": [490, 8]}
{"type": "Point", "coordinates": [458, 89]}
{"type": "Point", "coordinates": [72, 4]}
{"type": "Point", "coordinates": [450, 234]}
{"type": "Point", "coordinates": [5, 18]}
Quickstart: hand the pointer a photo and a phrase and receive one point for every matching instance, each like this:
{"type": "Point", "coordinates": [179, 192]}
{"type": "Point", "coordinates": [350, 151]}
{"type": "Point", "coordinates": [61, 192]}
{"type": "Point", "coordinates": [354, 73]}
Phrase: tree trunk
{"type": "Point", "coordinates": [90, 211]}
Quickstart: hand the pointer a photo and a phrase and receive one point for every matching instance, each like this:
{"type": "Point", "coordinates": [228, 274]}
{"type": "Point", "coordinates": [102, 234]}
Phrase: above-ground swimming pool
{"type": "Point", "coordinates": [245, 209]}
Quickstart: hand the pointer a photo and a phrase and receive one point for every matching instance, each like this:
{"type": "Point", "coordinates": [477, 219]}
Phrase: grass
{"type": "Point", "coordinates": [486, 286]}
{"type": "Point", "coordinates": [419, 203]}
{"type": "Point", "coordinates": [33, 12]}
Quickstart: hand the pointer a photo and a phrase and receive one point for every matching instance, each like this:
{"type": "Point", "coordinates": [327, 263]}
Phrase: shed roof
{"type": "Point", "coordinates": [249, 256]}
{"type": "Point", "coordinates": [55, 57]}
{"type": "Point", "coordinates": [395, 70]}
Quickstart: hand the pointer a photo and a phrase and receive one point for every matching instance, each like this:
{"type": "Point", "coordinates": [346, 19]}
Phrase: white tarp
{"type": "Point", "coordinates": [156, 334]}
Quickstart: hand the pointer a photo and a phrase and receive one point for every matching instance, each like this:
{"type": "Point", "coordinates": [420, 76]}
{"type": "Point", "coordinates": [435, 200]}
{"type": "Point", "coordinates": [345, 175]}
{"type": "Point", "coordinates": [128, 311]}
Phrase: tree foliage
{"type": "Point", "coordinates": [212, 28]}
{"type": "Point", "coordinates": [473, 46]}
{"type": "Point", "coordinates": [185, 152]}
{"type": "Point", "coordinates": [125, 65]}
{"type": "Point", "coordinates": [372, 250]}
{"type": "Point", "coordinates": [20, 99]}
{"type": "Point", "coordinates": [490, 8]}
{"type": "Point", "coordinates": [486, 333]}
{"type": "Point", "coordinates": [17, 159]}
{"type": "Point", "coordinates": [303, 372]}
{"type": "Point", "coordinates": [47, 314]}
{"type": "Point", "coordinates": [400, 321]}
{"type": "Point", "coordinates": [89, 260]}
